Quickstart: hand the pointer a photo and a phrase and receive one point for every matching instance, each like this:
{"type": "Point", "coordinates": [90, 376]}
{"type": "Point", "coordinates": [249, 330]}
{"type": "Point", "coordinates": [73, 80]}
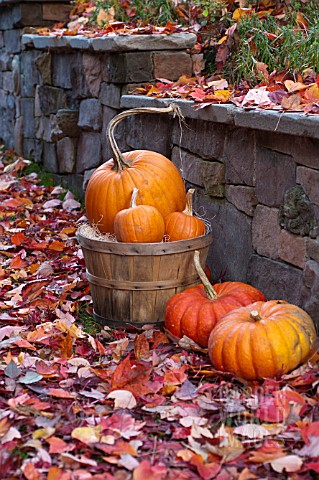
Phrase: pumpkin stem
{"type": "Point", "coordinates": [133, 198]}
{"type": "Point", "coordinates": [119, 161]}
{"type": "Point", "coordinates": [209, 290]}
{"type": "Point", "coordinates": [189, 202]}
{"type": "Point", "coordinates": [255, 315]}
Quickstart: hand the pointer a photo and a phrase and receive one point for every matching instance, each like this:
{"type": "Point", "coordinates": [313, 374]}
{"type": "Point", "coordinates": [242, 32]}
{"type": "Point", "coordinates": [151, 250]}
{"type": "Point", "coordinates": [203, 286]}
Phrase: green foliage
{"type": "Point", "coordinates": [87, 322]}
{"type": "Point", "coordinates": [46, 178]}
{"type": "Point", "coordinates": [282, 44]}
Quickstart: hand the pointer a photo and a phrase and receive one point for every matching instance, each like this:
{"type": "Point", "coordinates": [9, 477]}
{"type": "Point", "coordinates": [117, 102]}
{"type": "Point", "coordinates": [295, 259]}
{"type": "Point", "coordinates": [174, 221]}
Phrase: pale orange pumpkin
{"type": "Point", "coordinates": [184, 225]}
{"type": "Point", "coordinates": [110, 187]}
{"type": "Point", "coordinates": [264, 339]}
{"type": "Point", "coordinates": [139, 223]}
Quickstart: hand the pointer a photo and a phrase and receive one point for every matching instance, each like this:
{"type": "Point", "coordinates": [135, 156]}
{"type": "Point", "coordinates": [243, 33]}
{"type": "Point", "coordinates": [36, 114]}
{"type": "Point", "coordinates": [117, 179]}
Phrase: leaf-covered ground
{"type": "Point", "coordinates": [117, 404]}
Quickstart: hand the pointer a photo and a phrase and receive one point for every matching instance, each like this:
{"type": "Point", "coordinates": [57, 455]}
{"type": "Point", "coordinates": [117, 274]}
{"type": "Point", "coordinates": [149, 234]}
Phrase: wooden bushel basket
{"type": "Point", "coordinates": [131, 283]}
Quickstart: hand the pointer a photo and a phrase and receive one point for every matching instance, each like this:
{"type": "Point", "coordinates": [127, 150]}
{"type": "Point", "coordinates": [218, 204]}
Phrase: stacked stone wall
{"type": "Point", "coordinates": [17, 75]}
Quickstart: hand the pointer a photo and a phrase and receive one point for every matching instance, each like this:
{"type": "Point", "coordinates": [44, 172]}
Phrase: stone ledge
{"type": "Point", "coordinates": [113, 43]}
{"type": "Point", "coordinates": [297, 124]}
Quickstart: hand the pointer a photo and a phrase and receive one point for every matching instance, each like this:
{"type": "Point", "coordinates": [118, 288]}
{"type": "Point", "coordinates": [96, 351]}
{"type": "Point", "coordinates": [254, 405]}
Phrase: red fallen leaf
{"type": "Point", "coordinates": [18, 238]}
{"type": "Point", "coordinates": [159, 338]}
{"type": "Point", "coordinates": [55, 473]}
{"type": "Point", "coordinates": [33, 290]}
{"type": "Point", "coordinates": [46, 370]}
{"type": "Point", "coordinates": [16, 202]}
{"type": "Point", "coordinates": [18, 263]}
{"type": "Point", "coordinates": [269, 451]}
{"type": "Point", "coordinates": [101, 349]}
{"type": "Point", "coordinates": [176, 377]}
{"type": "Point", "coordinates": [60, 393]}
{"type": "Point", "coordinates": [150, 472]}
{"type": "Point", "coordinates": [312, 466]}
{"type": "Point", "coordinates": [122, 448]}
{"type": "Point", "coordinates": [62, 344]}
{"type": "Point", "coordinates": [57, 445]}
{"type": "Point", "coordinates": [309, 430]}
{"type": "Point", "coordinates": [269, 411]}
{"type": "Point", "coordinates": [38, 245]}
{"type": "Point", "coordinates": [197, 94]}
{"type": "Point", "coordinates": [32, 473]}
{"type": "Point", "coordinates": [141, 346]}
{"type": "Point", "coordinates": [57, 246]}
{"type": "Point", "coordinates": [24, 344]}
{"type": "Point", "coordinates": [206, 471]}
{"type": "Point", "coordinates": [131, 376]}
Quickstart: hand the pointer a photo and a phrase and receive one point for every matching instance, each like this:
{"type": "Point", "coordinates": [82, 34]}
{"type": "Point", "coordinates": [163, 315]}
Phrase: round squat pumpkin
{"type": "Point", "coordinates": [195, 311]}
{"type": "Point", "coordinates": [110, 187]}
{"type": "Point", "coordinates": [264, 339]}
{"type": "Point", "coordinates": [184, 225]}
{"type": "Point", "coordinates": [139, 223]}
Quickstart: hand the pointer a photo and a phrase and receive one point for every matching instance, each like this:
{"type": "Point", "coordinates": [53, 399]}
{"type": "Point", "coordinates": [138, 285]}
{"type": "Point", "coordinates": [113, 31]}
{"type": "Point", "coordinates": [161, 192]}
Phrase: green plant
{"type": "Point", "coordinates": [46, 178]}
{"type": "Point", "coordinates": [291, 43]}
{"type": "Point", "coordinates": [86, 320]}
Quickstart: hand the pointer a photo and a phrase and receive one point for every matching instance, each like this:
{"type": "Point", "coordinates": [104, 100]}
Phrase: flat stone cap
{"type": "Point", "coordinates": [112, 42]}
{"type": "Point", "coordinates": [297, 124]}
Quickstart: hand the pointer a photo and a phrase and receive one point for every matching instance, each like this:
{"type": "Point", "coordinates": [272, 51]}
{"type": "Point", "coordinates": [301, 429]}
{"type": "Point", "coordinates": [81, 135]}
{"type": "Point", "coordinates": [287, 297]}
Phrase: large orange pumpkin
{"type": "Point", "coordinates": [139, 223]}
{"type": "Point", "coordinates": [261, 340]}
{"type": "Point", "coordinates": [195, 311]}
{"type": "Point", "coordinates": [184, 225]}
{"type": "Point", "coordinates": [110, 187]}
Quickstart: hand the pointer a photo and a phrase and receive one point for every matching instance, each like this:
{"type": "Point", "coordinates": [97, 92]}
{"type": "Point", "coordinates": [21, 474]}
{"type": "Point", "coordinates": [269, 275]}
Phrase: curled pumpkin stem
{"type": "Point", "coordinates": [119, 160]}
{"type": "Point", "coordinates": [209, 290]}
{"type": "Point", "coordinates": [133, 198]}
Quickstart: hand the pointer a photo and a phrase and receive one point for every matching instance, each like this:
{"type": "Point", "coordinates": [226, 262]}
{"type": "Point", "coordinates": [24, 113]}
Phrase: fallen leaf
{"type": "Point", "coordinates": [123, 399]}
{"type": "Point", "coordinates": [289, 463]}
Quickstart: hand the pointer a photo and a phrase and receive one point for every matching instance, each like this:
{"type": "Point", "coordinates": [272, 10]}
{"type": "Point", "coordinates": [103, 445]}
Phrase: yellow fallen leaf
{"type": "Point", "coordinates": [241, 12]}
{"type": "Point", "coordinates": [87, 435]}
{"type": "Point", "coordinates": [291, 103]}
{"type": "Point", "coordinates": [43, 433]}
{"type": "Point", "coordinates": [105, 16]}
{"type": "Point", "coordinates": [222, 95]}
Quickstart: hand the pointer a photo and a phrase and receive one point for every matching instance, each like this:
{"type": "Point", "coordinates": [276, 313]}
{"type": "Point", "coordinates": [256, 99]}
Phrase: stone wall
{"type": "Point", "coordinates": [16, 76]}
{"type": "Point", "coordinates": [70, 88]}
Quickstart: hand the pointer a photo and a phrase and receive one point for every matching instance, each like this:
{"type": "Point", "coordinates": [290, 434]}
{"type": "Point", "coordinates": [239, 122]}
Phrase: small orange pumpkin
{"type": "Point", "coordinates": [195, 311]}
{"type": "Point", "coordinates": [139, 223]}
{"type": "Point", "coordinates": [183, 225]}
{"type": "Point", "coordinates": [262, 340]}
